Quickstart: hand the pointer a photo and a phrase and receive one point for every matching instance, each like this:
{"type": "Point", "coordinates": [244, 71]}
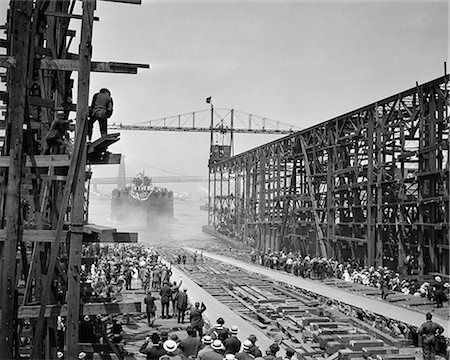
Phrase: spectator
{"type": "Point", "coordinates": [165, 293]}
{"type": "Point", "coordinates": [232, 343]}
{"type": "Point", "coordinates": [271, 353]}
{"type": "Point", "coordinates": [254, 349]}
{"type": "Point", "coordinates": [245, 353]}
{"type": "Point", "coordinates": [429, 330]}
{"type": "Point", "coordinates": [191, 344]}
{"type": "Point", "coordinates": [196, 318]}
{"type": "Point", "coordinates": [156, 351]}
{"type": "Point", "coordinates": [219, 331]}
{"type": "Point", "coordinates": [170, 346]}
{"type": "Point", "coordinates": [206, 341]}
{"type": "Point", "coordinates": [217, 351]}
{"type": "Point", "coordinates": [182, 305]}
{"type": "Point", "coordinates": [150, 308]}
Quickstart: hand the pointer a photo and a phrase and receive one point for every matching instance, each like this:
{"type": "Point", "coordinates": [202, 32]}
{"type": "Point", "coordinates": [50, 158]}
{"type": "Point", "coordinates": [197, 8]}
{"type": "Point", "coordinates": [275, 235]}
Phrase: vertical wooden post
{"type": "Point", "coordinates": [371, 214]}
{"type": "Point", "coordinates": [77, 214]}
{"type": "Point", "coordinates": [21, 19]}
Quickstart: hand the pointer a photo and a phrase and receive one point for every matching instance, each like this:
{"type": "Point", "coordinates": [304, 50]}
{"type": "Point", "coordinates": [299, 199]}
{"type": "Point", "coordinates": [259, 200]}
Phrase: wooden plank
{"type": "Point", "coordinates": [48, 236]}
{"type": "Point", "coordinates": [73, 65]}
{"type": "Point", "coordinates": [134, 2]}
{"type": "Point", "coordinates": [41, 161]}
{"type": "Point", "coordinates": [99, 229]}
{"type": "Point", "coordinates": [26, 312]}
{"type": "Point", "coordinates": [77, 213]}
{"type": "Point", "coordinates": [67, 15]}
{"type": "Point", "coordinates": [20, 39]}
{"type": "Point", "coordinates": [35, 235]}
{"type": "Point", "coordinates": [103, 142]}
{"type": "Point", "coordinates": [105, 159]}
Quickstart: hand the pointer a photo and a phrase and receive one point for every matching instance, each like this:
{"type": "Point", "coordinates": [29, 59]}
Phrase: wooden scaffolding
{"type": "Point", "coordinates": [43, 195]}
{"type": "Point", "coordinates": [371, 185]}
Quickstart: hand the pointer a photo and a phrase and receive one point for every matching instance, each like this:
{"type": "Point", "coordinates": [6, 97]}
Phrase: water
{"type": "Point", "coordinates": [184, 230]}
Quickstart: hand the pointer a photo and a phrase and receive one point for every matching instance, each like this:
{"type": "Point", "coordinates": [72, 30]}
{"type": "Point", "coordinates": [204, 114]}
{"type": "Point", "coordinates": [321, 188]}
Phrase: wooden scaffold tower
{"type": "Point", "coordinates": [43, 192]}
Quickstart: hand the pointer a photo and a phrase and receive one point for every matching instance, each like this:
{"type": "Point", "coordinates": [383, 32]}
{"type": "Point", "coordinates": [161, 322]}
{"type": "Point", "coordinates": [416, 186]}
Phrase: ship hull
{"type": "Point", "coordinates": [154, 208]}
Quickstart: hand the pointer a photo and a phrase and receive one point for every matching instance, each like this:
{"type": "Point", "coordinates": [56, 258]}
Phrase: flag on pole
{"type": "Point", "coordinates": [208, 100]}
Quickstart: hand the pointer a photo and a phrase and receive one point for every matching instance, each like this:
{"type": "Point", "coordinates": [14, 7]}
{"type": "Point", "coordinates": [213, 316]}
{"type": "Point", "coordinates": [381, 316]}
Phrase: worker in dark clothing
{"type": "Point", "coordinates": [182, 305]}
{"type": "Point", "coordinates": [232, 343]}
{"type": "Point", "coordinates": [150, 308]}
{"type": "Point", "coordinates": [165, 293]}
{"type": "Point", "coordinates": [438, 292]}
{"type": "Point", "coordinates": [196, 318]}
{"type": "Point", "coordinates": [156, 350]}
{"type": "Point", "coordinates": [56, 137]}
{"type": "Point", "coordinates": [101, 110]}
{"type": "Point", "coordinates": [429, 330]}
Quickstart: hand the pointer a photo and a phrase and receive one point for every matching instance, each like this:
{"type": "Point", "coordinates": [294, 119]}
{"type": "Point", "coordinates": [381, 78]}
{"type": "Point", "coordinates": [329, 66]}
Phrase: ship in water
{"type": "Point", "coordinates": [142, 198]}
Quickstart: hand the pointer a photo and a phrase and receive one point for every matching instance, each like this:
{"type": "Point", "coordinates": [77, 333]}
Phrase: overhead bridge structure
{"type": "Point", "coordinates": [154, 179]}
{"type": "Point", "coordinates": [372, 184]}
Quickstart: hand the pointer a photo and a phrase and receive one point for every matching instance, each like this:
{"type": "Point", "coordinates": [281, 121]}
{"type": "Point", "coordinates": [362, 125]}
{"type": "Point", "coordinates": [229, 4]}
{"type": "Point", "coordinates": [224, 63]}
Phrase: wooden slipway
{"type": "Point", "coordinates": [215, 309]}
{"type": "Point", "coordinates": [372, 305]}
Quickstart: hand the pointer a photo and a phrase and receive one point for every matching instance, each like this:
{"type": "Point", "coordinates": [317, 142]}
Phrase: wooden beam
{"type": "Point", "coordinates": [134, 2]}
{"type": "Point", "coordinates": [97, 229]}
{"type": "Point", "coordinates": [27, 312]}
{"type": "Point", "coordinates": [67, 15]}
{"type": "Point", "coordinates": [73, 65]}
{"type": "Point", "coordinates": [20, 39]}
{"type": "Point", "coordinates": [103, 143]}
{"type": "Point", "coordinates": [41, 161]}
{"type": "Point", "coordinates": [105, 159]}
{"type": "Point", "coordinates": [78, 212]}
{"type": "Point", "coordinates": [48, 236]}
{"type": "Point", "coordinates": [35, 235]}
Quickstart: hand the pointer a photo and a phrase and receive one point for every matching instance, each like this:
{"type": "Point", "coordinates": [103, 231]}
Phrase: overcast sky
{"type": "Point", "coordinates": [299, 62]}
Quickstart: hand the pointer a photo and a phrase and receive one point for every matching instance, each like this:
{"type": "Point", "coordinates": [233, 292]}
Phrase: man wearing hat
{"type": "Point", "coordinates": [232, 344]}
{"type": "Point", "coordinates": [196, 318]}
{"type": "Point", "coordinates": [271, 353]}
{"type": "Point", "coordinates": [156, 351]}
{"type": "Point", "coordinates": [206, 341]}
{"type": "Point", "coordinates": [245, 353]}
{"type": "Point", "coordinates": [219, 331]}
{"type": "Point", "coordinates": [165, 293]}
{"type": "Point", "coordinates": [182, 305]}
{"type": "Point", "coordinates": [429, 330]}
{"type": "Point", "coordinates": [216, 353]}
{"type": "Point", "coordinates": [150, 308]}
{"type": "Point", "coordinates": [101, 110]}
{"type": "Point", "coordinates": [190, 345]}
{"type": "Point", "coordinates": [57, 136]}
{"type": "Point", "coordinates": [254, 349]}
{"type": "Point", "coordinates": [170, 347]}
{"type": "Point", "coordinates": [438, 292]}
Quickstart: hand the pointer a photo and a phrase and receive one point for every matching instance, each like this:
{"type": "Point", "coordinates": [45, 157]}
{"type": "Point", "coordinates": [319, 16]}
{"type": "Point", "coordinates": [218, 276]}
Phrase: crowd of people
{"type": "Point", "coordinates": [387, 280]}
{"type": "Point", "coordinates": [218, 343]}
{"type": "Point", "coordinates": [107, 270]}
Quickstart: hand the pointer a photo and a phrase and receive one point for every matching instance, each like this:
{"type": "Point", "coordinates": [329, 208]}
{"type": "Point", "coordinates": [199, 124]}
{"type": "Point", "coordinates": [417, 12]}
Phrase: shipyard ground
{"type": "Point", "coordinates": [136, 327]}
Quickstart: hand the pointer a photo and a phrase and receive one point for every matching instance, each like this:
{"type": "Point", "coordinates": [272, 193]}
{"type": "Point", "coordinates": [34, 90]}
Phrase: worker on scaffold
{"type": "Point", "coordinates": [101, 110]}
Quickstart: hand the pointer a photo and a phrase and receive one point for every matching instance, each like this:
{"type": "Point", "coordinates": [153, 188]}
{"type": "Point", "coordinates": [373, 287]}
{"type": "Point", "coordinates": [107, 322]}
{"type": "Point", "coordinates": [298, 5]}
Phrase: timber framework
{"type": "Point", "coordinates": [44, 194]}
{"type": "Point", "coordinates": [371, 185]}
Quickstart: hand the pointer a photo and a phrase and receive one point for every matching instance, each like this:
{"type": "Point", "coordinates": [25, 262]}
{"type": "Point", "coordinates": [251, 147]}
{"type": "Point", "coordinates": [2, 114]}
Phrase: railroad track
{"type": "Point", "coordinates": [300, 320]}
